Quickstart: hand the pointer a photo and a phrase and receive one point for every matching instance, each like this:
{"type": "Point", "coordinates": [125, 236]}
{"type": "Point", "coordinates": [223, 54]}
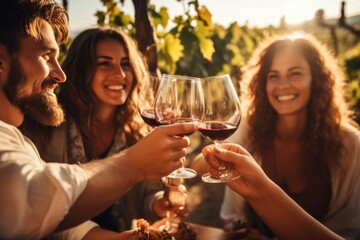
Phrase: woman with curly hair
{"type": "Point", "coordinates": [104, 71]}
{"type": "Point", "coordinates": [298, 127]}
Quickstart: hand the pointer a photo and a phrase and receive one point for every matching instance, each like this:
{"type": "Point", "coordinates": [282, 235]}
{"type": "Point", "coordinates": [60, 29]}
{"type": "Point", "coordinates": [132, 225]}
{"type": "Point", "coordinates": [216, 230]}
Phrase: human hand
{"type": "Point", "coordinates": [172, 201]}
{"type": "Point", "coordinates": [252, 177]}
{"type": "Point", "coordinates": [160, 152]}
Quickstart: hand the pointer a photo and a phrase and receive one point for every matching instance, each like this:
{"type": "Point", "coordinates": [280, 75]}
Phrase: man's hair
{"type": "Point", "coordinates": [22, 18]}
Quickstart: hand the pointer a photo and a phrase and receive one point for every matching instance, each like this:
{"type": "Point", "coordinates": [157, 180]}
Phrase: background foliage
{"type": "Point", "coordinates": [191, 44]}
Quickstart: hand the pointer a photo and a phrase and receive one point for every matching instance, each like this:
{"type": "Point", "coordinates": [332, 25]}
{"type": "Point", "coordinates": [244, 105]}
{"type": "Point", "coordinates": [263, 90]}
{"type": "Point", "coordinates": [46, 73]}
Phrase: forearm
{"type": "Point", "coordinates": [108, 179]}
{"type": "Point", "coordinates": [199, 165]}
{"type": "Point", "coordinates": [99, 233]}
{"type": "Point", "coordinates": [285, 217]}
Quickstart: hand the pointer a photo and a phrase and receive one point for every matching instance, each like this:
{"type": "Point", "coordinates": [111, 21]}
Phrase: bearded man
{"type": "Point", "coordinates": [38, 198]}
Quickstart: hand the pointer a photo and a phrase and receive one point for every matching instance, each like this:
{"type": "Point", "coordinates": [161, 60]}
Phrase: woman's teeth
{"type": "Point", "coordinates": [116, 87]}
{"type": "Point", "coordinates": [286, 97]}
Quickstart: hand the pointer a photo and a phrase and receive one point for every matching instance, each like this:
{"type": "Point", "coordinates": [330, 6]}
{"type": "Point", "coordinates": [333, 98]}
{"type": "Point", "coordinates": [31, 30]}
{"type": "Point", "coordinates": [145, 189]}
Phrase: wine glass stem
{"type": "Point", "coordinates": [167, 222]}
{"type": "Point", "coordinates": [183, 162]}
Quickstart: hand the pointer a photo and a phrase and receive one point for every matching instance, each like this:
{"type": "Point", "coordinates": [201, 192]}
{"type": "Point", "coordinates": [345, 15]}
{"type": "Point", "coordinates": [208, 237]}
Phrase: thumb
{"type": "Point", "coordinates": [180, 128]}
{"type": "Point", "coordinates": [238, 159]}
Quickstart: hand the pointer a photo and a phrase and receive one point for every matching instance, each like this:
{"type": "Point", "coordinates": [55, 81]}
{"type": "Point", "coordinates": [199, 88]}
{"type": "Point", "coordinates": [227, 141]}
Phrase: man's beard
{"type": "Point", "coordinates": [41, 107]}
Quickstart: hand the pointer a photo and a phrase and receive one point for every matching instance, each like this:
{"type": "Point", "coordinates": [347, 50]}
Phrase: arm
{"type": "Point", "coordinates": [35, 196]}
{"type": "Point", "coordinates": [152, 157]}
{"type": "Point", "coordinates": [99, 233]}
{"type": "Point", "coordinates": [285, 218]}
{"type": "Point", "coordinates": [199, 165]}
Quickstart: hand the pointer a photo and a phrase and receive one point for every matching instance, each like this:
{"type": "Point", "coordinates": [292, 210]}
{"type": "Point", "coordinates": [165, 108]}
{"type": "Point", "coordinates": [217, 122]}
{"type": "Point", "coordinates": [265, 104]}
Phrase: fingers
{"type": "Point", "coordinates": [177, 155]}
{"type": "Point", "coordinates": [228, 152]}
{"type": "Point", "coordinates": [179, 129]}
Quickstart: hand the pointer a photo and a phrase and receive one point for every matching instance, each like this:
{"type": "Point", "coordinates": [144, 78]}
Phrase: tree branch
{"type": "Point", "coordinates": [145, 34]}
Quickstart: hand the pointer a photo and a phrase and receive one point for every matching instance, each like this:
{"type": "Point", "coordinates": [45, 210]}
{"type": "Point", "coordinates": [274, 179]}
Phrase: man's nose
{"type": "Point", "coordinates": [57, 73]}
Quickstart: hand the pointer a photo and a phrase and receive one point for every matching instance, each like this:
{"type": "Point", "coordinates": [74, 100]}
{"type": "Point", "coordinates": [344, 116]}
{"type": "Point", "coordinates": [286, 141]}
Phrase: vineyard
{"type": "Point", "coordinates": [191, 44]}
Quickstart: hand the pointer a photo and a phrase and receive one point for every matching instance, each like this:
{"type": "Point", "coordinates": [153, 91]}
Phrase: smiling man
{"type": "Point", "coordinates": [36, 198]}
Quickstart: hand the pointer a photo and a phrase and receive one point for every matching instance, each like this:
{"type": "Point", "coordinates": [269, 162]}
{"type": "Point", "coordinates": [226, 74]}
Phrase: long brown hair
{"type": "Point", "coordinates": [327, 109]}
{"type": "Point", "coordinates": [76, 95]}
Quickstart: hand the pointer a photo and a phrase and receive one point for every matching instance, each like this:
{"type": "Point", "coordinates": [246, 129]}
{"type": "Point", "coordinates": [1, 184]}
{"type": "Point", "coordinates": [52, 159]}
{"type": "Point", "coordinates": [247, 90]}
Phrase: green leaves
{"type": "Point", "coordinates": [203, 34]}
{"type": "Point", "coordinates": [191, 44]}
{"type": "Point", "coordinates": [159, 18]}
{"type": "Point", "coordinates": [113, 15]}
{"type": "Point", "coordinates": [171, 50]}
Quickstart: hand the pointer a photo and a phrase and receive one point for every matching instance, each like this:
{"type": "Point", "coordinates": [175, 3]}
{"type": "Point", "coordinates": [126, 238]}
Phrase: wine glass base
{"type": "Point", "coordinates": [183, 173]}
{"type": "Point", "coordinates": [210, 179]}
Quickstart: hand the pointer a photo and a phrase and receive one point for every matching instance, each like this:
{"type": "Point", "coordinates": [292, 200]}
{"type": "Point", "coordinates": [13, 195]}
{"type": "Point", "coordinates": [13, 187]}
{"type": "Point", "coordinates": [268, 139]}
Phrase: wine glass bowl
{"type": "Point", "coordinates": [146, 99]}
{"type": "Point", "coordinates": [220, 120]}
{"type": "Point", "coordinates": [179, 99]}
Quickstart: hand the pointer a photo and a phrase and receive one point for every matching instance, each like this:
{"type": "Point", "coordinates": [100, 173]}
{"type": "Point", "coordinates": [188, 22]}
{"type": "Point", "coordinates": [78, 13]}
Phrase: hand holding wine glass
{"type": "Point", "coordinates": [174, 199]}
{"type": "Point", "coordinates": [221, 118]}
{"type": "Point", "coordinates": [179, 99]}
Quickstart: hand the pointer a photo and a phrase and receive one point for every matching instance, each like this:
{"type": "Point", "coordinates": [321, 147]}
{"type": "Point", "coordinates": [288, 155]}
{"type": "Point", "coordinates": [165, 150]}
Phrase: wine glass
{"type": "Point", "coordinates": [179, 99]}
{"type": "Point", "coordinates": [221, 118]}
{"type": "Point", "coordinates": [175, 195]}
{"type": "Point", "coordinates": [146, 99]}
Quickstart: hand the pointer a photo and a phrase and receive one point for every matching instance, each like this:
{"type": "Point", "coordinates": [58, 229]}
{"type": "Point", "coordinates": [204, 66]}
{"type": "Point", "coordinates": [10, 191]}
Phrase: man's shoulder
{"type": "Point", "coordinates": [9, 132]}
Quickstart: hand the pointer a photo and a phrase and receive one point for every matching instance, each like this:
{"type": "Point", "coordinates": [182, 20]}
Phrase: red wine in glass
{"type": "Point", "coordinates": [148, 116]}
{"type": "Point", "coordinates": [220, 120]}
{"type": "Point", "coordinates": [146, 99]}
{"type": "Point", "coordinates": [178, 100]}
{"type": "Point", "coordinates": [216, 130]}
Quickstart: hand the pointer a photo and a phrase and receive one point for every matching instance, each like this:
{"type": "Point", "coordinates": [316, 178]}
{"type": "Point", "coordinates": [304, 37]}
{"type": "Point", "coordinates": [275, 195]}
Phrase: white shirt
{"type": "Point", "coordinates": [34, 195]}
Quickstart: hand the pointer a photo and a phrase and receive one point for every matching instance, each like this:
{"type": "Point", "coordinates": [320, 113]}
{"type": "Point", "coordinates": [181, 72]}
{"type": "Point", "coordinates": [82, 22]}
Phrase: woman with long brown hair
{"type": "Point", "coordinates": [298, 127]}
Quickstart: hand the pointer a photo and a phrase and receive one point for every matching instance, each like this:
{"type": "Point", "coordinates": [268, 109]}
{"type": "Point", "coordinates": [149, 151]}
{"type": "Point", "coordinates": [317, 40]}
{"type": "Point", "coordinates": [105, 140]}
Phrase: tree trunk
{"type": "Point", "coordinates": [65, 4]}
{"type": "Point", "coordinates": [343, 24]}
{"type": "Point", "coordinates": [145, 34]}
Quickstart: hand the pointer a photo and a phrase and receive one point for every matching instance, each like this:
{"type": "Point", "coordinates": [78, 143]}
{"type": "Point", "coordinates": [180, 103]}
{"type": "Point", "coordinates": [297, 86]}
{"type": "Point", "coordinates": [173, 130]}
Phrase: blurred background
{"type": "Point", "coordinates": [209, 37]}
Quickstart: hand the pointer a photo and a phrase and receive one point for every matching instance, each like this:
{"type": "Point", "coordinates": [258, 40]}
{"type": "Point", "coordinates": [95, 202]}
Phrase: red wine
{"type": "Point", "coordinates": [217, 131]}
{"type": "Point", "coordinates": [149, 118]}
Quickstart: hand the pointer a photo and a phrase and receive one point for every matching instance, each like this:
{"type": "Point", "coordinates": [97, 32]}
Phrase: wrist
{"type": "Point", "coordinates": [128, 167]}
{"type": "Point", "coordinates": [265, 190]}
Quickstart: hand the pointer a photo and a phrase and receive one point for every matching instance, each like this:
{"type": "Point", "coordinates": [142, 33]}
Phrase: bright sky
{"type": "Point", "coordinates": [255, 12]}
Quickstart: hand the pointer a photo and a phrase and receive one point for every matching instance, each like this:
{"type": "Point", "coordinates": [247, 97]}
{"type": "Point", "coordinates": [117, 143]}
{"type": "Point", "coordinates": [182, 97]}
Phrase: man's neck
{"type": "Point", "coordinates": [9, 113]}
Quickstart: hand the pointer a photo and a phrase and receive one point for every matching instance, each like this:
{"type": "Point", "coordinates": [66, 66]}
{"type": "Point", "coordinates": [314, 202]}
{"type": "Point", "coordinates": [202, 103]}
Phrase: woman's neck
{"type": "Point", "coordinates": [103, 119]}
{"type": "Point", "coordinates": [102, 136]}
{"type": "Point", "coordinates": [291, 127]}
